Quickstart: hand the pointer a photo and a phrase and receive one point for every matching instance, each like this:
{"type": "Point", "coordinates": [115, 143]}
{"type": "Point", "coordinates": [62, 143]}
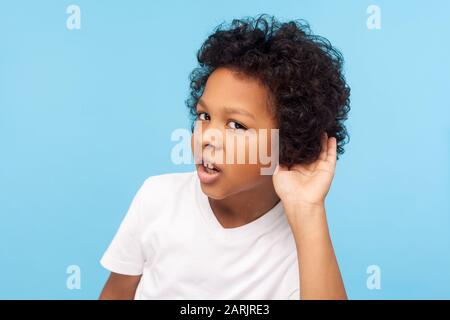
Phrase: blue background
{"type": "Point", "coordinates": [86, 115]}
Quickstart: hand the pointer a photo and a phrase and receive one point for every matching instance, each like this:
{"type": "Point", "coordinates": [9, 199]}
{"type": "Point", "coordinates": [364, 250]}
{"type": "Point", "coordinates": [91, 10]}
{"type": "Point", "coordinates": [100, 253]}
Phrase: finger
{"type": "Point", "coordinates": [331, 153]}
{"type": "Point", "coordinates": [323, 148]}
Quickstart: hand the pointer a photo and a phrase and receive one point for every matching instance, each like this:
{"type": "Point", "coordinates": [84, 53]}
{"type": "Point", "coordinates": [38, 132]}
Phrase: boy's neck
{"type": "Point", "coordinates": [244, 207]}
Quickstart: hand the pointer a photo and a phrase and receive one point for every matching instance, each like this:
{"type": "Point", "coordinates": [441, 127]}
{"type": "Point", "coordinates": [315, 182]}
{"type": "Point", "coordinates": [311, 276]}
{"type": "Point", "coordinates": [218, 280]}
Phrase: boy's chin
{"type": "Point", "coordinates": [213, 192]}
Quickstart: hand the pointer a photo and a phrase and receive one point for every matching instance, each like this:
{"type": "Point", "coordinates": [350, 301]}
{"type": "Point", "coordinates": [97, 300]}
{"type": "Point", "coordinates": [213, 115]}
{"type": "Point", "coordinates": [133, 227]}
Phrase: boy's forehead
{"type": "Point", "coordinates": [227, 90]}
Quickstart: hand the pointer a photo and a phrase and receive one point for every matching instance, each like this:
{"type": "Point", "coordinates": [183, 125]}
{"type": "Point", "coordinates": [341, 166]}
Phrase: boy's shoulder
{"type": "Point", "coordinates": [160, 192]}
{"type": "Point", "coordinates": [169, 182]}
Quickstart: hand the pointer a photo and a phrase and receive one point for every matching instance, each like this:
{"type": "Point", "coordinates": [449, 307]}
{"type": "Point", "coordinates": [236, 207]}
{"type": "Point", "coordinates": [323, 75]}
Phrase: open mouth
{"type": "Point", "coordinates": [209, 167]}
{"type": "Point", "coordinates": [208, 172]}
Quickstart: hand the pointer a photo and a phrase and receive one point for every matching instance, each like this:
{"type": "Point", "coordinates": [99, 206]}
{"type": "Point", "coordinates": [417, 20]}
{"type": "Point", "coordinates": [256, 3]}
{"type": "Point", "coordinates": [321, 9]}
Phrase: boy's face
{"type": "Point", "coordinates": [232, 106]}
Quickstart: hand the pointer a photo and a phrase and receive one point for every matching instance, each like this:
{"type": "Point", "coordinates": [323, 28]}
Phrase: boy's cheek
{"type": "Point", "coordinates": [196, 146]}
{"type": "Point", "coordinates": [242, 173]}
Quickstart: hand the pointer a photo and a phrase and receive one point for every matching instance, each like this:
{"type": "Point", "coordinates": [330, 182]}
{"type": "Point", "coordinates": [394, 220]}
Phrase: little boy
{"type": "Point", "coordinates": [226, 231]}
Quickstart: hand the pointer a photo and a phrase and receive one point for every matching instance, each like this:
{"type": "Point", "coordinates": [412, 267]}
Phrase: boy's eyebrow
{"type": "Point", "coordinates": [229, 109]}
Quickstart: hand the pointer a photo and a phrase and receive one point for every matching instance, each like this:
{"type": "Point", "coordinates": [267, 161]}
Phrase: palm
{"type": "Point", "coordinates": [308, 183]}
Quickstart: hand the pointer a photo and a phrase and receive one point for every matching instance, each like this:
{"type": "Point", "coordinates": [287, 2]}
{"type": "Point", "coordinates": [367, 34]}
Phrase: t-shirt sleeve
{"type": "Point", "coordinates": [124, 254]}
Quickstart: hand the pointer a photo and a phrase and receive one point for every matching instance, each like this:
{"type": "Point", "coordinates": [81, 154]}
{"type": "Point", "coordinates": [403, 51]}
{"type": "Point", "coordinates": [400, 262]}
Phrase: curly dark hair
{"type": "Point", "coordinates": [302, 72]}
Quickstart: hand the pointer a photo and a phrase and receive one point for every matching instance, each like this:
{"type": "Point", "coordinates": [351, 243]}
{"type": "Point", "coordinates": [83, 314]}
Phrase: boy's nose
{"type": "Point", "coordinates": [211, 138]}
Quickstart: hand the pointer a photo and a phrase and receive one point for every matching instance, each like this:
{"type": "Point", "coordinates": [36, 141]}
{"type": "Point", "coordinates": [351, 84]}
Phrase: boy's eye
{"type": "Point", "coordinates": [203, 116]}
{"type": "Point", "coordinates": [236, 125]}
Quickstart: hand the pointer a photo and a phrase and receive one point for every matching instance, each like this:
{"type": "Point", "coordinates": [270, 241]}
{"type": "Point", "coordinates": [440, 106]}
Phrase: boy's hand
{"type": "Point", "coordinates": [307, 185]}
{"type": "Point", "coordinates": [303, 190]}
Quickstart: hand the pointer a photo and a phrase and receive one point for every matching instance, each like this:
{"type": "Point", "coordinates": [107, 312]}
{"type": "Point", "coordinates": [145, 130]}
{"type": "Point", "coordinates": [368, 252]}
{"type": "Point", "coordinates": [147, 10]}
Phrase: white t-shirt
{"type": "Point", "coordinates": [171, 236]}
